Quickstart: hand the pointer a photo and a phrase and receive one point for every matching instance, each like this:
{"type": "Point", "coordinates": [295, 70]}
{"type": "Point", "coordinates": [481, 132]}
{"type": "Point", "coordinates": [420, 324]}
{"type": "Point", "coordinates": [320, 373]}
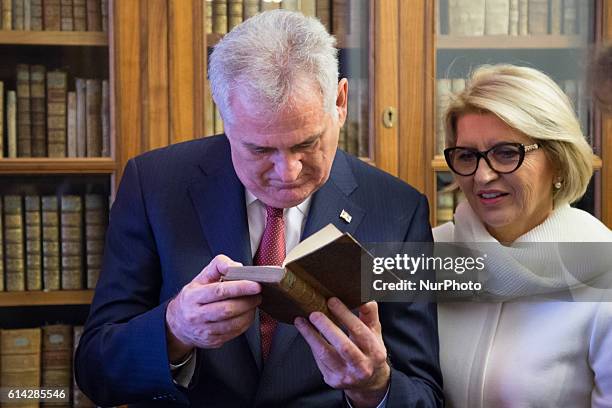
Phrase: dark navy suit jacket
{"type": "Point", "coordinates": [177, 208]}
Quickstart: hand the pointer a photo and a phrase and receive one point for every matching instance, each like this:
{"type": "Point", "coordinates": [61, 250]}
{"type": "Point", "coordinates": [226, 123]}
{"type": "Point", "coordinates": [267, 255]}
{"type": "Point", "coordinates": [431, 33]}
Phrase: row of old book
{"type": "Point", "coordinates": [41, 358]}
{"type": "Point", "coordinates": [446, 202]}
{"type": "Point", "coordinates": [514, 17]}
{"type": "Point", "coordinates": [55, 15]}
{"type": "Point", "coordinates": [447, 87]}
{"type": "Point", "coordinates": [223, 15]}
{"type": "Point", "coordinates": [44, 119]}
{"type": "Point", "coordinates": [51, 242]}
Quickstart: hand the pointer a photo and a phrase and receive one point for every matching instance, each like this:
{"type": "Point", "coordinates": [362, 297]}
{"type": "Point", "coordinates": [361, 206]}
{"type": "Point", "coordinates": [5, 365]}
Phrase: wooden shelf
{"type": "Point", "coordinates": [45, 165]}
{"type": "Point", "coordinates": [447, 42]}
{"type": "Point", "coordinates": [42, 298]}
{"type": "Point", "coordinates": [439, 164]}
{"type": "Point", "coordinates": [63, 38]}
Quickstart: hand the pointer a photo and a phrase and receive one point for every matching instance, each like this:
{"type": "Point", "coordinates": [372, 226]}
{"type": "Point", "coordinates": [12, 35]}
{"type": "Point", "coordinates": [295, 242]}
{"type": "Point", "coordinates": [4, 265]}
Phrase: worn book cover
{"type": "Point", "coordinates": [56, 358]}
{"type": "Point", "coordinates": [51, 246]}
{"type": "Point", "coordinates": [33, 242]}
{"type": "Point", "coordinates": [38, 110]}
{"type": "Point", "coordinates": [14, 243]}
{"type": "Point", "coordinates": [93, 98]}
{"type": "Point", "coordinates": [56, 113]}
{"type": "Point", "coordinates": [24, 118]}
{"type": "Point", "coordinates": [326, 264]}
{"type": "Point", "coordinates": [71, 232]}
{"type": "Point", "coordinates": [52, 15]}
{"type": "Point", "coordinates": [20, 360]}
{"type": "Point", "coordinates": [96, 219]}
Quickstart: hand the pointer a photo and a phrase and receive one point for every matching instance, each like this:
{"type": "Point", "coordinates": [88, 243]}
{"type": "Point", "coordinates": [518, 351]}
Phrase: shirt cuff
{"type": "Point", "coordinates": [382, 403]}
{"type": "Point", "coordinates": [182, 373]}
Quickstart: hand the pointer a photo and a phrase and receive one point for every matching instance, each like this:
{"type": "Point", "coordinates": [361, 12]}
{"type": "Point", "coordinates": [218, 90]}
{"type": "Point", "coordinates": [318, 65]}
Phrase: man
{"type": "Point", "coordinates": [165, 332]}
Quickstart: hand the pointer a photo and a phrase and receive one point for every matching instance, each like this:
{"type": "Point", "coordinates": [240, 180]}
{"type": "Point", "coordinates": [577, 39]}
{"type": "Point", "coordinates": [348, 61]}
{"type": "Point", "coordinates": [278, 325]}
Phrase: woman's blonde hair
{"type": "Point", "coordinates": [530, 102]}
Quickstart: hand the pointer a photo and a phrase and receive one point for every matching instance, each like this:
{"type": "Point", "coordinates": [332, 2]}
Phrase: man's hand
{"type": "Point", "coordinates": [356, 363]}
{"type": "Point", "coordinates": [207, 313]}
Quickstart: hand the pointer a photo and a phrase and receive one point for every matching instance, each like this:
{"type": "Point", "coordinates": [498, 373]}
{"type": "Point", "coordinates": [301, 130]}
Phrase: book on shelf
{"type": "Point", "coordinates": [308, 7]}
{"type": "Point", "coordinates": [445, 206]}
{"type": "Point", "coordinates": [11, 124]}
{"type": "Point", "coordinates": [66, 15]}
{"type": "Point", "coordinates": [326, 264]}
{"type": "Point", "coordinates": [94, 15]}
{"type": "Point", "coordinates": [27, 15]}
{"type": "Point", "coordinates": [96, 220]}
{"type": "Point", "coordinates": [497, 17]}
{"type": "Point", "coordinates": [1, 119]}
{"type": "Point", "coordinates": [323, 13]}
{"type": "Point", "coordinates": [18, 14]}
{"type": "Point", "coordinates": [556, 16]}
{"type": "Point", "coordinates": [33, 230]}
{"type": "Point", "coordinates": [513, 17]}
{"type": "Point", "coordinates": [208, 16]}
{"type": "Point", "coordinates": [38, 110]}
{"type": "Point", "coordinates": [20, 352]}
{"type": "Point", "coordinates": [71, 237]}
{"type": "Point", "coordinates": [466, 17]}
{"type": "Point", "coordinates": [52, 15]}
{"type": "Point", "coordinates": [251, 7]}
{"type": "Point", "coordinates": [1, 247]}
{"type": "Point", "coordinates": [234, 13]}
{"type": "Point", "coordinates": [443, 93]}
{"type": "Point", "coordinates": [219, 17]}
{"type": "Point", "coordinates": [293, 5]}
{"type": "Point", "coordinates": [270, 5]}
{"type": "Point", "coordinates": [7, 14]}
{"type": "Point", "coordinates": [71, 125]}
{"type": "Point", "coordinates": [81, 117]}
{"type": "Point", "coordinates": [79, 399]}
{"type": "Point", "coordinates": [105, 119]}
{"type": "Point", "coordinates": [56, 359]}
{"type": "Point", "coordinates": [570, 17]}
{"type": "Point", "coordinates": [14, 272]}
{"type": "Point", "coordinates": [79, 15]}
{"type": "Point", "coordinates": [93, 97]}
{"type": "Point", "coordinates": [56, 113]}
{"type": "Point", "coordinates": [36, 15]}
{"type": "Point", "coordinates": [24, 120]}
{"type": "Point", "coordinates": [538, 17]}
{"type": "Point", "coordinates": [51, 243]}
{"type": "Point", "coordinates": [340, 18]}
{"type": "Point", "coordinates": [104, 13]}
{"type": "Point", "coordinates": [523, 21]}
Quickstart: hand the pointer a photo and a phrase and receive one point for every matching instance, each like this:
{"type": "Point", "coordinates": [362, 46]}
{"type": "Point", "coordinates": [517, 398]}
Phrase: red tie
{"type": "Point", "coordinates": [271, 251]}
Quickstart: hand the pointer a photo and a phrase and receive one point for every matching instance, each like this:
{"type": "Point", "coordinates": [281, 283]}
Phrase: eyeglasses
{"type": "Point", "coordinates": [502, 158]}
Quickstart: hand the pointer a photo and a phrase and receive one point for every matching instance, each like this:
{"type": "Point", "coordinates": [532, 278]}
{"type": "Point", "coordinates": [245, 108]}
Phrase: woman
{"type": "Point", "coordinates": [520, 158]}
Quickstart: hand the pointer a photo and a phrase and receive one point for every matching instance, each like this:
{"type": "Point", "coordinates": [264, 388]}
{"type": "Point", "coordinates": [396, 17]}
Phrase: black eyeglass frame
{"type": "Point", "coordinates": [522, 150]}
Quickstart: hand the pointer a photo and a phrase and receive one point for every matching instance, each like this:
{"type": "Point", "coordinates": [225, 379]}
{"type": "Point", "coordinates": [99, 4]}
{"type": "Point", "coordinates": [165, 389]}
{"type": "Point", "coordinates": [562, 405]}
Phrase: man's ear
{"type": "Point", "coordinates": [342, 101]}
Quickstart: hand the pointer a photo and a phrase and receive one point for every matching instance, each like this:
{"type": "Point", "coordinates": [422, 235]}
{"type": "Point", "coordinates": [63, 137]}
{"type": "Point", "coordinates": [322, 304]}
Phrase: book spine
{"type": "Point", "coordinates": [56, 358]}
{"type": "Point", "coordinates": [50, 250]}
{"type": "Point", "coordinates": [27, 15]}
{"type": "Point", "coordinates": [444, 90]}
{"type": "Point", "coordinates": [466, 17]}
{"type": "Point", "coordinates": [11, 124]}
{"type": "Point", "coordinates": [251, 7]}
{"type": "Point", "coordinates": [93, 96]}
{"type": "Point", "coordinates": [20, 360]}
{"type": "Point", "coordinates": [52, 15]}
{"type": "Point", "coordinates": [24, 119]}
{"type": "Point", "coordinates": [303, 294]}
{"type": "Point", "coordinates": [81, 117]}
{"type": "Point", "coordinates": [570, 17]}
{"type": "Point", "coordinates": [13, 243]}
{"type": "Point", "coordinates": [234, 13]}
{"type": "Point", "coordinates": [340, 18]}
{"type": "Point", "coordinates": [71, 130]}
{"type": "Point", "coordinates": [18, 15]}
{"type": "Point", "coordinates": [79, 15]}
{"type": "Point", "coordinates": [269, 5]}
{"type": "Point", "coordinates": [208, 16]}
{"type": "Point", "coordinates": [309, 8]}
{"type": "Point", "coordinates": [538, 17]}
{"type": "Point", "coordinates": [219, 17]}
{"type": "Point", "coordinates": [1, 122]}
{"type": "Point", "coordinates": [96, 220]}
{"type": "Point", "coordinates": [523, 17]}
{"type": "Point", "coordinates": [36, 15]}
{"type": "Point", "coordinates": [513, 25]}
{"type": "Point", "coordinates": [324, 13]}
{"type": "Point", "coordinates": [56, 113]}
{"type": "Point", "coordinates": [104, 15]}
{"type": "Point", "coordinates": [38, 111]}
{"type": "Point", "coordinates": [497, 17]}
{"type": "Point", "coordinates": [105, 119]}
{"type": "Point", "coordinates": [94, 15]}
{"type": "Point", "coordinates": [556, 16]}
{"type": "Point", "coordinates": [33, 243]}
{"type": "Point", "coordinates": [7, 14]}
{"type": "Point", "coordinates": [71, 233]}
{"type": "Point", "coordinates": [293, 5]}
{"type": "Point", "coordinates": [67, 19]}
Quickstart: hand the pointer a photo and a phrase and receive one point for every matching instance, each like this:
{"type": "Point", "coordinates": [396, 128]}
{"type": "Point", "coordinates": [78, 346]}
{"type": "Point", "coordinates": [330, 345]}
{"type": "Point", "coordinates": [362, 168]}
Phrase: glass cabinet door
{"type": "Point", "coordinates": [553, 36]}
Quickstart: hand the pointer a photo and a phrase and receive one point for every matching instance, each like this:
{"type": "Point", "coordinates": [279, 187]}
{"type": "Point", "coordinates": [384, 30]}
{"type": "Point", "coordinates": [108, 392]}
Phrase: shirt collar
{"type": "Point", "coordinates": [302, 207]}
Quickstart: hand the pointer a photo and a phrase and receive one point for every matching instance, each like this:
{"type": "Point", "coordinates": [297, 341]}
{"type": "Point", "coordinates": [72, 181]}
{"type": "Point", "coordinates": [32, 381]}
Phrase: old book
{"type": "Point", "coordinates": [538, 16]}
{"type": "Point", "coordinates": [219, 17]}
{"type": "Point", "coordinates": [251, 7]}
{"type": "Point", "coordinates": [570, 17]}
{"type": "Point", "coordinates": [270, 5]}
{"type": "Point", "coordinates": [11, 124]}
{"type": "Point", "coordinates": [71, 130]}
{"type": "Point", "coordinates": [209, 114]}
{"type": "Point", "coordinates": [71, 236]}
{"type": "Point", "coordinates": [104, 14]}
{"type": "Point", "coordinates": [94, 15]}
{"type": "Point", "coordinates": [105, 119]}
{"type": "Point", "coordinates": [308, 7]}
{"type": "Point", "coordinates": [513, 24]}
{"type": "Point", "coordinates": [340, 18]}
{"type": "Point", "coordinates": [36, 15]}
{"type": "Point", "coordinates": [326, 264]}
{"type": "Point", "coordinates": [497, 17]}
{"type": "Point", "coordinates": [14, 243]}
{"type": "Point", "coordinates": [523, 17]}
{"type": "Point", "coordinates": [208, 16]}
{"type": "Point", "coordinates": [556, 16]}
{"type": "Point", "coordinates": [67, 19]}
{"type": "Point", "coordinates": [81, 117]}
{"type": "Point", "coordinates": [18, 15]}
{"type": "Point", "coordinates": [445, 206]}
{"type": "Point", "coordinates": [52, 15]}
{"type": "Point", "coordinates": [79, 400]}
{"type": "Point", "coordinates": [51, 243]}
{"type": "Point", "coordinates": [218, 121]}
{"type": "Point", "coordinates": [27, 15]}
{"type": "Point", "coordinates": [56, 359]}
{"type": "Point", "coordinates": [7, 14]}
{"type": "Point", "coordinates": [443, 93]}
{"type": "Point", "coordinates": [20, 359]}
{"type": "Point", "coordinates": [93, 97]}
{"type": "Point", "coordinates": [38, 110]}
{"type": "Point", "coordinates": [1, 120]}
{"type": "Point", "coordinates": [96, 220]}
{"type": "Point", "coordinates": [324, 13]}
{"type": "Point", "coordinates": [466, 17]}
{"type": "Point", "coordinates": [33, 230]}
{"type": "Point", "coordinates": [1, 248]}
{"type": "Point", "coordinates": [79, 15]}
{"type": "Point", "coordinates": [234, 13]}
{"type": "Point", "coordinates": [290, 5]}
{"type": "Point", "coordinates": [24, 118]}
{"type": "Point", "coordinates": [56, 113]}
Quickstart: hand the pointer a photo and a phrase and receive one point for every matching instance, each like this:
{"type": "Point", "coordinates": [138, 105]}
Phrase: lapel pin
{"type": "Point", "coordinates": [346, 216]}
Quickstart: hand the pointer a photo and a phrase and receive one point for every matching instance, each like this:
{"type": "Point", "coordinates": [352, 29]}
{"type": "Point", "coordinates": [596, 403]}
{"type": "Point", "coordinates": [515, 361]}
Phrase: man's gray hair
{"type": "Point", "coordinates": [268, 55]}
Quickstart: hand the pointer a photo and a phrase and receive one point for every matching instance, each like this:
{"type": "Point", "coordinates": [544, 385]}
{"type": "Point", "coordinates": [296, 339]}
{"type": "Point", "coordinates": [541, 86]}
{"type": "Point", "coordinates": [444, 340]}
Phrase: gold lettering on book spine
{"type": "Point", "coordinates": [303, 294]}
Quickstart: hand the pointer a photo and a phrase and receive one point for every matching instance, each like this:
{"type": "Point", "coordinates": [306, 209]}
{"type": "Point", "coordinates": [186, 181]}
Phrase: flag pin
{"type": "Point", "coordinates": [346, 216]}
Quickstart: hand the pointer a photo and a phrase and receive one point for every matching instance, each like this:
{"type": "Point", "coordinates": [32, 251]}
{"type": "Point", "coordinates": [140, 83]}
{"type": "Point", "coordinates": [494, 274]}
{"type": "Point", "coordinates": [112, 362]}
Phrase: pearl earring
{"type": "Point", "coordinates": [558, 185]}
